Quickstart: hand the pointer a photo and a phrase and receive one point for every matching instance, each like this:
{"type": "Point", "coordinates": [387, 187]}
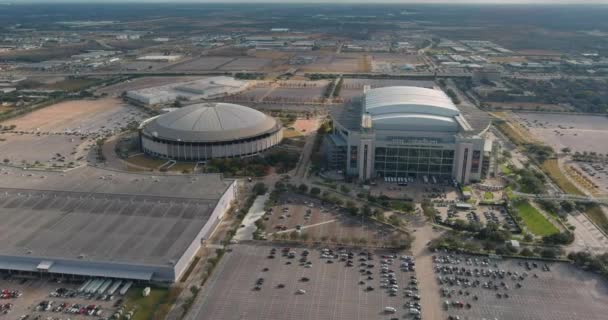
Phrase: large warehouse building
{"type": "Point", "coordinates": [209, 130]}
{"type": "Point", "coordinates": [91, 222]}
{"type": "Point", "coordinates": [203, 89]}
{"type": "Point", "coordinates": [408, 132]}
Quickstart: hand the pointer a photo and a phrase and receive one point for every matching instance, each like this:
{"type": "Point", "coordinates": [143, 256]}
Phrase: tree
{"type": "Point", "coordinates": [549, 253]}
{"type": "Point", "coordinates": [366, 211]}
{"type": "Point", "coordinates": [526, 252]}
{"type": "Point", "coordinates": [280, 186]}
{"type": "Point", "coordinates": [315, 191]}
{"type": "Point", "coordinates": [303, 188]}
{"type": "Point", "coordinates": [528, 237]}
{"type": "Point", "coordinates": [352, 208]}
{"type": "Point", "coordinates": [259, 188]}
{"type": "Point", "coordinates": [344, 189]}
{"type": "Point", "coordinates": [567, 206]}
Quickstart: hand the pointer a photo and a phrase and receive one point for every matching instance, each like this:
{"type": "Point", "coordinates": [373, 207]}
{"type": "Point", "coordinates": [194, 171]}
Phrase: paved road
{"type": "Point", "coordinates": [429, 289]}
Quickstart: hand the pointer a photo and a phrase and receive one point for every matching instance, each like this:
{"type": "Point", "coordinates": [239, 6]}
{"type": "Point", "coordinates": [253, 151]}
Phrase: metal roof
{"type": "Point", "coordinates": [418, 122]}
{"type": "Point", "coordinates": [211, 122]}
{"type": "Point", "coordinates": [401, 99]}
{"type": "Point", "coordinates": [107, 272]}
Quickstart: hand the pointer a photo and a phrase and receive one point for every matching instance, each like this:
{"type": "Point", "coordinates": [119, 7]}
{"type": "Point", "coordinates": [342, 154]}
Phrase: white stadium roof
{"type": "Point", "coordinates": [210, 122]}
{"type": "Point", "coordinates": [409, 100]}
{"type": "Point", "coordinates": [411, 108]}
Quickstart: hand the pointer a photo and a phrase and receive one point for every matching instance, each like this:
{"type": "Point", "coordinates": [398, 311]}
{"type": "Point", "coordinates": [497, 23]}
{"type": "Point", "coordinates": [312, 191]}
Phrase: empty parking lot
{"type": "Point", "coordinates": [333, 291]}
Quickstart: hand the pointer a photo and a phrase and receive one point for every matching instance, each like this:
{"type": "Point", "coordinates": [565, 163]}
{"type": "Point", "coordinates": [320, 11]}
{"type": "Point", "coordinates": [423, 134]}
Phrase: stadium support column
{"type": "Point", "coordinates": [366, 157]}
{"type": "Point", "coordinates": [462, 162]}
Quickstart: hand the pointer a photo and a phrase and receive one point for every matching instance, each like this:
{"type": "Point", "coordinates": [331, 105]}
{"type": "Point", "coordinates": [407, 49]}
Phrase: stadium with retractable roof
{"type": "Point", "coordinates": [409, 132]}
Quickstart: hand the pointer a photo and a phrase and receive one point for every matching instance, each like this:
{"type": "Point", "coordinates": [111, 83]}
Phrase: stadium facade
{"type": "Point", "coordinates": [408, 132]}
{"type": "Point", "coordinates": [209, 130]}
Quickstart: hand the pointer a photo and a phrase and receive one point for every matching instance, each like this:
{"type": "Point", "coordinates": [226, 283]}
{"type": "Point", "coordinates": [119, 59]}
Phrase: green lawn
{"type": "Point", "coordinates": [488, 195]}
{"type": "Point", "coordinates": [505, 169]}
{"type": "Point", "coordinates": [145, 306]}
{"type": "Point", "coordinates": [534, 220]}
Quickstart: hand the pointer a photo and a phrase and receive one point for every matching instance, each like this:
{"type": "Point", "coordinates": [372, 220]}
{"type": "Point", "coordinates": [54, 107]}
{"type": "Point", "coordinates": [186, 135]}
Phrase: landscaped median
{"type": "Point", "coordinates": [534, 220]}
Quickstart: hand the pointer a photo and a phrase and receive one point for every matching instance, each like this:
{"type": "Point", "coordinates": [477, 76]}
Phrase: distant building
{"type": "Point", "coordinates": [168, 58]}
{"type": "Point", "coordinates": [487, 73]}
{"type": "Point", "coordinates": [279, 30]}
{"type": "Point", "coordinates": [204, 89]}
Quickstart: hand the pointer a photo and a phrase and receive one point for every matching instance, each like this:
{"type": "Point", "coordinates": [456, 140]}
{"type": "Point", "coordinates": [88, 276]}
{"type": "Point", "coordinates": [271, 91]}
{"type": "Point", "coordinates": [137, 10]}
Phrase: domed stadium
{"type": "Point", "coordinates": [209, 130]}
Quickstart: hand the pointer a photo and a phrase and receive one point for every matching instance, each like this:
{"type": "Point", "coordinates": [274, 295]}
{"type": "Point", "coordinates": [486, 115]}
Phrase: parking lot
{"type": "Point", "coordinates": [478, 288]}
{"type": "Point", "coordinates": [249, 284]}
{"type": "Point", "coordinates": [416, 189]}
{"type": "Point", "coordinates": [480, 214]}
{"type": "Point", "coordinates": [325, 223]}
{"type": "Point", "coordinates": [580, 133]}
{"type": "Point", "coordinates": [63, 133]}
{"type": "Point", "coordinates": [62, 299]}
{"type": "Point", "coordinates": [595, 174]}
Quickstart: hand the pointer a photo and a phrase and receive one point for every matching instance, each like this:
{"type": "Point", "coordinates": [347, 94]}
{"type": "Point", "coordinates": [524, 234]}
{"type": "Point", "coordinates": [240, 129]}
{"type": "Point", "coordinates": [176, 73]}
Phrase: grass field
{"type": "Point", "coordinates": [145, 306]}
{"type": "Point", "coordinates": [505, 169]}
{"type": "Point", "coordinates": [595, 213]}
{"type": "Point", "coordinates": [551, 168]}
{"type": "Point", "coordinates": [72, 84]}
{"type": "Point", "coordinates": [534, 220]}
{"type": "Point", "coordinates": [488, 195]}
{"type": "Point", "coordinates": [513, 135]}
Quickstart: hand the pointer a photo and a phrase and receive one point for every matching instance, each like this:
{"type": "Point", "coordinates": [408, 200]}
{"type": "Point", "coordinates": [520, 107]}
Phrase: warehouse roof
{"type": "Point", "coordinates": [124, 218]}
{"type": "Point", "coordinates": [211, 122]}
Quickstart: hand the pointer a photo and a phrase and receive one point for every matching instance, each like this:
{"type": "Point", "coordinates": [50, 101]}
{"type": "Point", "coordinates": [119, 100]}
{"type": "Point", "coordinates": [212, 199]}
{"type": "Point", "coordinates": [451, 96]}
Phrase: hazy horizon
{"type": "Point", "coordinates": [520, 2]}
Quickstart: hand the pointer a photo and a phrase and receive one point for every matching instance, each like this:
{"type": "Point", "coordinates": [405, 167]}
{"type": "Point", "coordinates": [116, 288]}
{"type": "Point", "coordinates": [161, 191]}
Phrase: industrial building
{"type": "Point", "coordinates": [209, 130]}
{"type": "Point", "coordinates": [203, 89]}
{"type": "Point", "coordinates": [91, 222]}
{"type": "Point", "coordinates": [159, 58]}
{"type": "Point", "coordinates": [407, 132]}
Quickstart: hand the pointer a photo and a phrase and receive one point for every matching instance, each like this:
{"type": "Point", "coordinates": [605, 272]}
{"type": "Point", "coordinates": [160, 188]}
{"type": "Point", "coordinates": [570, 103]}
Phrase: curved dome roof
{"type": "Point", "coordinates": [409, 100]}
{"type": "Point", "coordinates": [211, 122]}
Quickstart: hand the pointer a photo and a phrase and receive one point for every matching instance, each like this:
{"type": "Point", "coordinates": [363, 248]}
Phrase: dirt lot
{"type": "Point", "coordinates": [67, 128]}
{"type": "Point", "coordinates": [578, 132]}
{"type": "Point", "coordinates": [306, 126]}
{"type": "Point", "coordinates": [78, 115]}
{"type": "Point", "coordinates": [563, 293]}
{"type": "Point", "coordinates": [331, 290]}
{"type": "Point", "coordinates": [325, 224]}
{"type": "Point", "coordinates": [334, 63]}
{"type": "Point", "coordinates": [246, 63]}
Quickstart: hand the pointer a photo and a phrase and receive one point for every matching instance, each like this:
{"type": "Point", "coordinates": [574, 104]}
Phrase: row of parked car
{"type": "Point", "coordinates": [89, 310]}
{"type": "Point", "coordinates": [10, 294]}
